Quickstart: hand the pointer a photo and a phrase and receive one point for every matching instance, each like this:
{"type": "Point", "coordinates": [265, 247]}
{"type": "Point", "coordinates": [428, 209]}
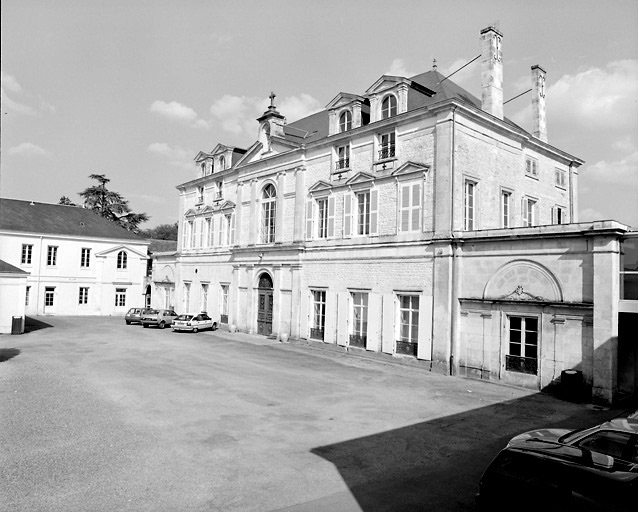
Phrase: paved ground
{"type": "Point", "coordinates": [96, 415]}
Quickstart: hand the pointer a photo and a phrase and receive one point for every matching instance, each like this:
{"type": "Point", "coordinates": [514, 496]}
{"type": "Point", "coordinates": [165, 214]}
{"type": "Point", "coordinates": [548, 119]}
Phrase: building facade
{"type": "Point", "coordinates": [415, 220]}
{"type": "Point", "coordinates": [78, 263]}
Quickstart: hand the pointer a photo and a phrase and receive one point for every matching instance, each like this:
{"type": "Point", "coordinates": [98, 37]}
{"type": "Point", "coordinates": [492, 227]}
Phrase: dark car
{"type": "Point", "coordinates": [134, 315]}
{"type": "Point", "coordinates": [554, 469]}
{"type": "Point", "coordinates": [158, 317]}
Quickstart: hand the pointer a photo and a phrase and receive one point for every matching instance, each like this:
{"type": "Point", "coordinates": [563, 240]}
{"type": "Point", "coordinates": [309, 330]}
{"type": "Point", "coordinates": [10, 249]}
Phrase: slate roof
{"type": "Point", "coordinates": [162, 245]}
{"type": "Point", "coordinates": [7, 268]}
{"type": "Point", "coordinates": [57, 219]}
{"type": "Point", "coordinates": [315, 126]}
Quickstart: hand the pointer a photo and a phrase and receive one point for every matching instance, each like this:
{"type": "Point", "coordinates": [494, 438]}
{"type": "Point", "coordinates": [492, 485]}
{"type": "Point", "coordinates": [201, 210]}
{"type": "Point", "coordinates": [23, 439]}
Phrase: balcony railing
{"type": "Point", "coordinates": [342, 163]}
{"type": "Point", "coordinates": [386, 152]}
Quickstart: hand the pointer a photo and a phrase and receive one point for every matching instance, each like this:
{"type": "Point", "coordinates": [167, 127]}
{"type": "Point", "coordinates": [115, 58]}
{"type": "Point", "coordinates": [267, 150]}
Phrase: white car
{"type": "Point", "coordinates": [193, 323]}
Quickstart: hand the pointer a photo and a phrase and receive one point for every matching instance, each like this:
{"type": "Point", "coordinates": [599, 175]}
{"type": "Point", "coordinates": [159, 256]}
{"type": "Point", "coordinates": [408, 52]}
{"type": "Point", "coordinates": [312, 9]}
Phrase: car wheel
{"type": "Point", "coordinates": [128, 322]}
{"type": "Point", "coordinates": [195, 329]}
{"type": "Point", "coordinates": [162, 325]}
{"type": "Point", "coordinates": [214, 327]}
{"type": "Point", "coordinates": [145, 326]}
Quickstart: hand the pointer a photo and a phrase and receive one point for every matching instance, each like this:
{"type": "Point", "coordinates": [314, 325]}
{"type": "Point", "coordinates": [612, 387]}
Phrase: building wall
{"type": "Point", "coordinates": [101, 277]}
{"type": "Point", "coordinates": [12, 300]}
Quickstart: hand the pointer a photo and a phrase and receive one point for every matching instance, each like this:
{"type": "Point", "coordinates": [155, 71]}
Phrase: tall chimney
{"type": "Point", "coordinates": [492, 72]}
{"type": "Point", "coordinates": [538, 103]}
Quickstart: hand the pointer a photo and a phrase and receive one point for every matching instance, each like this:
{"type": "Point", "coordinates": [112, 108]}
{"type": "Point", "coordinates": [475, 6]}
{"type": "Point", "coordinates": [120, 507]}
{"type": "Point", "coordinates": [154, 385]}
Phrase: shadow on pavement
{"type": "Point", "coordinates": [32, 324]}
{"type": "Point", "coordinates": [8, 353]}
{"type": "Point", "coordinates": [436, 465]}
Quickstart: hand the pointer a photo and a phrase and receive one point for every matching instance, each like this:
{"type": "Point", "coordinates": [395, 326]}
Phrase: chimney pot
{"type": "Point", "coordinates": [492, 71]}
{"type": "Point", "coordinates": [538, 103]}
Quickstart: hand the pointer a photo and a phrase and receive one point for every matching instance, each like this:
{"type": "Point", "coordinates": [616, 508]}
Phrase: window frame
{"type": "Point", "coordinates": [531, 167]}
{"type": "Point", "coordinates": [49, 296]}
{"type": "Point", "coordinates": [120, 297]}
{"type": "Point", "coordinates": [530, 206]}
{"type": "Point", "coordinates": [85, 257]}
{"type": "Point", "coordinates": [318, 314]}
{"type": "Point", "coordinates": [358, 326]}
{"type": "Point", "coordinates": [52, 255]}
{"type": "Point", "coordinates": [223, 303]}
{"type": "Point", "coordinates": [470, 208]}
{"type": "Point", "coordinates": [83, 296]}
{"type": "Point", "coordinates": [407, 344]}
{"type": "Point", "coordinates": [268, 210]}
{"type": "Point", "coordinates": [506, 208]}
{"type": "Point", "coordinates": [342, 158]}
{"type": "Point", "coordinates": [560, 178]}
{"type": "Point", "coordinates": [345, 121]}
{"type": "Point", "coordinates": [523, 362]}
{"type": "Point", "coordinates": [27, 254]}
{"type": "Point", "coordinates": [387, 145]}
{"type": "Point", "coordinates": [410, 213]}
{"type": "Point", "coordinates": [392, 106]}
{"type": "Point", "coordinates": [122, 260]}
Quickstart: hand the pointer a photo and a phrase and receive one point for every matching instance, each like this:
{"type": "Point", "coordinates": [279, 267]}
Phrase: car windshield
{"type": "Point", "coordinates": [152, 312]}
{"type": "Point", "coordinates": [570, 436]}
{"type": "Point", "coordinates": [184, 317]}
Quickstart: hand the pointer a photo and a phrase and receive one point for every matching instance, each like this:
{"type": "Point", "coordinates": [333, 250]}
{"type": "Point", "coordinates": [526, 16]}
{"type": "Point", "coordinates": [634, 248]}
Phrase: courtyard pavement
{"type": "Point", "coordinates": [96, 416]}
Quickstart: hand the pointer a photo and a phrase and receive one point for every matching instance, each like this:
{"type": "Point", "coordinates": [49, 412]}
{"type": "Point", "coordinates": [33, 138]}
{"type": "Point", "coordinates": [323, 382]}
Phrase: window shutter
{"type": "Point", "coordinates": [374, 212]}
{"type": "Point", "coordinates": [185, 235]}
{"type": "Point", "coordinates": [405, 208]}
{"type": "Point", "coordinates": [309, 234]}
{"type": "Point", "coordinates": [232, 229]}
{"type": "Point", "coordinates": [221, 231]}
{"type": "Point", "coordinates": [347, 215]}
{"type": "Point", "coordinates": [416, 207]}
{"type": "Point", "coordinates": [331, 217]}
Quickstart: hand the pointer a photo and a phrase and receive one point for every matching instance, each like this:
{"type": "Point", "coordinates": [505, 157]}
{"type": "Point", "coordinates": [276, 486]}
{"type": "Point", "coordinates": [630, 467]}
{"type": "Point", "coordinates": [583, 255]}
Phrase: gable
{"type": "Point", "coordinates": [386, 82]}
{"type": "Point", "coordinates": [409, 168]}
{"type": "Point", "coordinates": [342, 99]}
{"type": "Point", "coordinates": [118, 248]}
{"type": "Point", "coordinates": [320, 186]}
{"type": "Point", "coordinates": [360, 177]}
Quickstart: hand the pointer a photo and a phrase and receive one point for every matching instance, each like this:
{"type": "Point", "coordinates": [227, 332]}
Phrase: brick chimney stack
{"type": "Point", "coordinates": [538, 103]}
{"type": "Point", "coordinates": [492, 72]}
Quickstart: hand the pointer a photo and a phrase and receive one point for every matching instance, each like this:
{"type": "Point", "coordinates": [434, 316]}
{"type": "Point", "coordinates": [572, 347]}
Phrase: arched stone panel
{"type": "Point", "coordinates": [523, 280]}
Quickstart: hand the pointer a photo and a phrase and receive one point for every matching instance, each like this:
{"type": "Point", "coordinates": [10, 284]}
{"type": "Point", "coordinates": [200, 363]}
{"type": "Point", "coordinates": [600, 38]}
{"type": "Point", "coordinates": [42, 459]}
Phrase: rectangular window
{"type": "Point", "coordinates": [209, 238]}
{"type": "Point", "coordinates": [529, 212]}
{"type": "Point", "coordinates": [410, 207]}
{"type": "Point", "coordinates": [268, 221]}
{"type": "Point", "coordinates": [387, 147]}
{"type": "Point", "coordinates": [224, 305]}
{"type": "Point", "coordinates": [27, 296]}
{"type": "Point", "coordinates": [49, 296]}
{"type": "Point", "coordinates": [218, 190]}
{"type": "Point", "coordinates": [120, 297]}
{"type": "Point", "coordinates": [204, 298]}
{"type": "Point", "coordinates": [322, 218]}
{"type": "Point", "coordinates": [343, 158]}
{"type": "Point", "coordinates": [187, 298]}
{"type": "Point", "coordinates": [52, 256]}
{"type": "Point", "coordinates": [363, 213]}
{"type": "Point", "coordinates": [506, 206]}
{"type": "Point", "coordinates": [531, 167]}
{"type": "Point", "coordinates": [559, 215]}
{"type": "Point", "coordinates": [359, 329]}
{"type": "Point", "coordinates": [85, 258]}
{"type": "Point", "coordinates": [629, 269]}
{"type": "Point", "coordinates": [200, 195]}
{"type": "Point", "coordinates": [523, 345]}
{"type": "Point", "coordinates": [318, 314]}
{"type": "Point", "coordinates": [83, 297]}
{"type": "Point", "coordinates": [27, 252]}
{"type": "Point", "coordinates": [408, 324]}
{"type": "Point", "coordinates": [560, 177]}
{"type": "Point", "coordinates": [469, 206]}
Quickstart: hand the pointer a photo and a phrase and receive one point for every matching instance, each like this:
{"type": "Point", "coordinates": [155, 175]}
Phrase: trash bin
{"type": "Point", "coordinates": [16, 325]}
{"type": "Point", "coordinates": [572, 385]}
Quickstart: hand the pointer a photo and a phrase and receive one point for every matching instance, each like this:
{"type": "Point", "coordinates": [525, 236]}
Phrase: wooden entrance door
{"type": "Point", "coordinates": [264, 305]}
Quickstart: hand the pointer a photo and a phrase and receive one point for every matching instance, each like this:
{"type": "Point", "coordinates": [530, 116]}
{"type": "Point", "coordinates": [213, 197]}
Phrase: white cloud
{"type": "Point", "coordinates": [175, 155]}
{"type": "Point", "coordinates": [623, 171]}
{"type": "Point", "coordinates": [398, 68]}
{"type": "Point", "coordinates": [28, 149]}
{"type": "Point", "coordinates": [9, 84]}
{"type": "Point", "coordinates": [175, 111]}
{"type": "Point", "coordinates": [237, 114]}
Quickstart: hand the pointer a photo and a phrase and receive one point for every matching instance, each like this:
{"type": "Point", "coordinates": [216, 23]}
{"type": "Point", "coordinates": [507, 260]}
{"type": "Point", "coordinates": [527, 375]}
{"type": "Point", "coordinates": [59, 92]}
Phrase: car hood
{"type": "Point", "coordinates": [545, 434]}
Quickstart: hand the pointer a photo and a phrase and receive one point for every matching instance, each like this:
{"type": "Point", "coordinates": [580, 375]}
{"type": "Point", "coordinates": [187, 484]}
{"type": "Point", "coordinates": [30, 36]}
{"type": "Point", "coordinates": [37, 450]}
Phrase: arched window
{"type": "Point", "coordinates": [268, 214]}
{"type": "Point", "coordinates": [388, 106]}
{"type": "Point", "coordinates": [345, 121]}
{"type": "Point", "coordinates": [222, 163]}
{"type": "Point", "coordinates": [203, 168]}
{"type": "Point", "coordinates": [122, 258]}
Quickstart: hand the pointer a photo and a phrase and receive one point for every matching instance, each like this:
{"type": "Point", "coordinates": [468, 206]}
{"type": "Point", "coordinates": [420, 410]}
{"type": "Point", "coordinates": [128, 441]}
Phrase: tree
{"type": "Point", "coordinates": [111, 205]}
{"type": "Point", "coordinates": [161, 232]}
{"type": "Point", "coordinates": [66, 201]}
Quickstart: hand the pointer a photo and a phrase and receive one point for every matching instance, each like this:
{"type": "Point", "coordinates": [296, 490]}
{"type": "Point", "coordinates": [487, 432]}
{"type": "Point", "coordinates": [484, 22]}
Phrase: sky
{"type": "Point", "coordinates": [135, 89]}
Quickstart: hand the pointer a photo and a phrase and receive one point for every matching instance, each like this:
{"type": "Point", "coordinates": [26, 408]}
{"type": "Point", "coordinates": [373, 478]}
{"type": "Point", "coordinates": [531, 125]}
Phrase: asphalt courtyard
{"type": "Point", "coordinates": [96, 415]}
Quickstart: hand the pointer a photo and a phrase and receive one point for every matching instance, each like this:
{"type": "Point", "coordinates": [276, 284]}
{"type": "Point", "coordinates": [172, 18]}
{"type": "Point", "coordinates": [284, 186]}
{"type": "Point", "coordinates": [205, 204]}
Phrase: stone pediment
{"type": "Point", "coordinates": [118, 248]}
{"type": "Point", "coordinates": [319, 187]}
{"type": "Point", "coordinates": [342, 99]}
{"type": "Point", "coordinates": [523, 280]}
{"type": "Point", "coordinates": [410, 167]}
{"type": "Point", "coordinates": [226, 205]}
{"type": "Point", "coordinates": [387, 82]}
{"type": "Point", "coordinates": [252, 153]}
{"type": "Point", "coordinates": [202, 155]}
{"type": "Point", "coordinates": [360, 177]}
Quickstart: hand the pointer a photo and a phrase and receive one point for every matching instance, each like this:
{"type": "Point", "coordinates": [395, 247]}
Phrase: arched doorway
{"type": "Point", "coordinates": [264, 305]}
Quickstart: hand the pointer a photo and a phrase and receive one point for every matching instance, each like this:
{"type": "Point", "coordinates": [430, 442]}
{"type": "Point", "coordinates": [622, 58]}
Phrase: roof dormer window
{"type": "Point", "coordinates": [203, 166]}
{"type": "Point", "coordinates": [222, 163]}
{"type": "Point", "coordinates": [388, 106]}
{"type": "Point", "coordinates": [345, 121]}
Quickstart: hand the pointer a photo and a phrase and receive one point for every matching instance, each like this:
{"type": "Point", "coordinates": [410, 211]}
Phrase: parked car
{"type": "Point", "coordinates": [159, 317]}
{"type": "Point", "coordinates": [194, 323]}
{"type": "Point", "coordinates": [134, 315]}
{"type": "Point", "coordinates": [556, 469]}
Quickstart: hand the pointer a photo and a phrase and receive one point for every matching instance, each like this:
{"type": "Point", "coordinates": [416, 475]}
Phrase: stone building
{"type": "Point", "coordinates": [77, 262]}
{"type": "Point", "coordinates": [414, 220]}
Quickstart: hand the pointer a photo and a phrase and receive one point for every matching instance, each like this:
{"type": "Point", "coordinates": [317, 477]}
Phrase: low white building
{"type": "Point", "coordinates": [78, 263]}
{"type": "Point", "coordinates": [13, 283]}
